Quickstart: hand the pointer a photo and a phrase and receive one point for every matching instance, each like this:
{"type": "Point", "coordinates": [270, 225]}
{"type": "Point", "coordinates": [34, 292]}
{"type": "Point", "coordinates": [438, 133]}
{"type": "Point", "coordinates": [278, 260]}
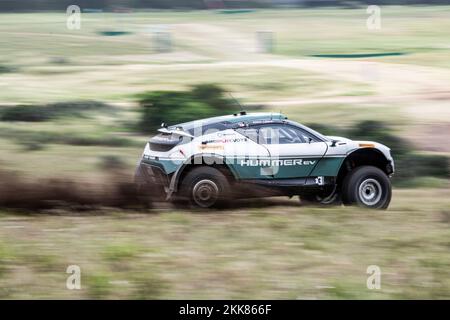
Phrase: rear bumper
{"type": "Point", "coordinates": [151, 176]}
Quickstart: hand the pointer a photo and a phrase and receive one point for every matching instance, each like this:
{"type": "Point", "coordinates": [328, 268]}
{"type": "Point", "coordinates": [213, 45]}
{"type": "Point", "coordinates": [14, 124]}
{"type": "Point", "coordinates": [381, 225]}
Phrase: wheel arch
{"type": "Point", "coordinates": [363, 157]}
{"type": "Point", "coordinates": [211, 160]}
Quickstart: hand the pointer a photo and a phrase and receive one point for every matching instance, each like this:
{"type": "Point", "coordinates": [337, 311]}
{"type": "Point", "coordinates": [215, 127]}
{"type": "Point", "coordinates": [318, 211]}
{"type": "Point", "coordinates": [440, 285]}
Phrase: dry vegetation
{"type": "Point", "coordinates": [276, 249]}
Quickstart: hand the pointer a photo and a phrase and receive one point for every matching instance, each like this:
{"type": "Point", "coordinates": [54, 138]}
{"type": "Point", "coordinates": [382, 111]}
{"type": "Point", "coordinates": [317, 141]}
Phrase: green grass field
{"type": "Point", "coordinates": [276, 250]}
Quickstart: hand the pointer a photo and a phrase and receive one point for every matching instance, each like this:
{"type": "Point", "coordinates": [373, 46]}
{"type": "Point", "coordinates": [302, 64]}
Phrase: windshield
{"type": "Point", "coordinates": [314, 132]}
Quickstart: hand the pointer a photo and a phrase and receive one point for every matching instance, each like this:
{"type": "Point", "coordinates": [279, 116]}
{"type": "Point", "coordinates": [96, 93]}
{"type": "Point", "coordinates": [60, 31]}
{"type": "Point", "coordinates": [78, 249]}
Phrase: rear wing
{"type": "Point", "coordinates": [178, 132]}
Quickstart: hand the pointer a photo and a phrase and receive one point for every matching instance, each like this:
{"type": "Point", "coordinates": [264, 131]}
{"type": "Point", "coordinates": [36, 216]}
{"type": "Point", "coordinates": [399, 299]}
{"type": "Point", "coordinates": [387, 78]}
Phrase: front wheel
{"type": "Point", "coordinates": [367, 187]}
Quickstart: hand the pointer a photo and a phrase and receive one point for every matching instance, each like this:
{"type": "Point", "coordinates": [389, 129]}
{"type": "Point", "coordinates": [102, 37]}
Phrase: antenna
{"type": "Point", "coordinates": [282, 116]}
{"type": "Point", "coordinates": [237, 102]}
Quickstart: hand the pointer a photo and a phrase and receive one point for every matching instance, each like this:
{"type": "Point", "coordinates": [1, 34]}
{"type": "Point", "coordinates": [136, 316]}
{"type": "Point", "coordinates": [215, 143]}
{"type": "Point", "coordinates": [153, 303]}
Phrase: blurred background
{"type": "Point", "coordinates": [81, 93]}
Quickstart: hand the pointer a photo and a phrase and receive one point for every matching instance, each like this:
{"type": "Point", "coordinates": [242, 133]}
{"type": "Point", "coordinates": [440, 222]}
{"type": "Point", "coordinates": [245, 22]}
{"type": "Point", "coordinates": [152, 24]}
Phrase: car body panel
{"type": "Point", "coordinates": [295, 160]}
{"type": "Point", "coordinates": [328, 166]}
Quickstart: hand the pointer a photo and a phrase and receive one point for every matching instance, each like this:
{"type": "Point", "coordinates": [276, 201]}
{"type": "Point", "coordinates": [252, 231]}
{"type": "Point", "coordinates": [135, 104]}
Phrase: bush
{"type": "Point", "coordinates": [409, 164]}
{"type": "Point", "coordinates": [7, 69]}
{"type": "Point", "coordinates": [34, 141]}
{"type": "Point", "coordinates": [413, 165]}
{"type": "Point", "coordinates": [380, 132]}
{"type": "Point", "coordinates": [422, 182]}
{"type": "Point", "coordinates": [98, 286]}
{"type": "Point", "coordinates": [37, 113]}
{"type": "Point", "coordinates": [25, 113]}
{"type": "Point", "coordinates": [202, 101]}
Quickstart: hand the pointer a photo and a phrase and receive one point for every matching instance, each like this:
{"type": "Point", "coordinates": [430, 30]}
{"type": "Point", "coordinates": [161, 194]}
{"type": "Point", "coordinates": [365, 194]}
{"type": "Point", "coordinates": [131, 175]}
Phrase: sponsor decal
{"type": "Point", "coordinates": [319, 181]}
{"type": "Point", "coordinates": [222, 134]}
{"type": "Point", "coordinates": [276, 162]}
{"type": "Point", "coordinates": [204, 147]}
{"type": "Point", "coordinates": [226, 140]}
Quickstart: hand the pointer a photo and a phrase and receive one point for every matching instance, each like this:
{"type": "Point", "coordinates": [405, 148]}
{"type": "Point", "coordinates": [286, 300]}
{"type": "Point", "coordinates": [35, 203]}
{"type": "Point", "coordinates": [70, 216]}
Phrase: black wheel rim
{"type": "Point", "coordinates": [205, 193]}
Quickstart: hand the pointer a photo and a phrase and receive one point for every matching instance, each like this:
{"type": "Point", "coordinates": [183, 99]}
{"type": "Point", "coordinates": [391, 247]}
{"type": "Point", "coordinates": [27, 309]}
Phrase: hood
{"type": "Point", "coordinates": [339, 138]}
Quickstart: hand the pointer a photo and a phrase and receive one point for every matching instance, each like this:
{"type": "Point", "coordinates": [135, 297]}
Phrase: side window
{"type": "Point", "coordinates": [305, 135]}
{"type": "Point", "coordinates": [277, 134]}
{"type": "Point", "coordinates": [272, 134]}
{"type": "Point", "coordinates": [251, 133]}
{"type": "Point", "coordinates": [284, 134]}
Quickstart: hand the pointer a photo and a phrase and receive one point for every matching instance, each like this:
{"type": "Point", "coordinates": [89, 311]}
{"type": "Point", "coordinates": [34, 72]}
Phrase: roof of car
{"type": "Point", "coordinates": [234, 118]}
{"type": "Point", "coordinates": [237, 120]}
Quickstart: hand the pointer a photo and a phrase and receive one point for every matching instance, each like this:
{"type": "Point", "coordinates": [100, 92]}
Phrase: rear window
{"type": "Point", "coordinates": [164, 142]}
{"type": "Point", "coordinates": [198, 129]}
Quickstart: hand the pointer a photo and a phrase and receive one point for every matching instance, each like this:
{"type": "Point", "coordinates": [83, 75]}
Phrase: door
{"type": "Point", "coordinates": [293, 152]}
{"type": "Point", "coordinates": [241, 152]}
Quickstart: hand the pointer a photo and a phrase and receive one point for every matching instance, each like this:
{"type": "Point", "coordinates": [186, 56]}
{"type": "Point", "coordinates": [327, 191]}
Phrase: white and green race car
{"type": "Point", "coordinates": [212, 161]}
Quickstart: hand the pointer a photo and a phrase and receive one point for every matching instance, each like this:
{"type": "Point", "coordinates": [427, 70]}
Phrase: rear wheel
{"type": "Point", "coordinates": [205, 187]}
{"type": "Point", "coordinates": [367, 187]}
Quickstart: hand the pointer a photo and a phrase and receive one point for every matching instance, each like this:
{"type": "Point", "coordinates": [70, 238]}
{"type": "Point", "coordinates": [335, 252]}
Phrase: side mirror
{"type": "Point", "coordinates": [309, 139]}
{"type": "Point", "coordinates": [333, 143]}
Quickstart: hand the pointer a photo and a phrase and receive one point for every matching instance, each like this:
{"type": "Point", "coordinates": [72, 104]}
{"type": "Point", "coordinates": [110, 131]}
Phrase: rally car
{"type": "Point", "coordinates": [212, 161]}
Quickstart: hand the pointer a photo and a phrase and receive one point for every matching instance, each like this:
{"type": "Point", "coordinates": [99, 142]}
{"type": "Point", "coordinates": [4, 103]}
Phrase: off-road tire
{"type": "Point", "coordinates": [205, 187]}
{"type": "Point", "coordinates": [367, 187]}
